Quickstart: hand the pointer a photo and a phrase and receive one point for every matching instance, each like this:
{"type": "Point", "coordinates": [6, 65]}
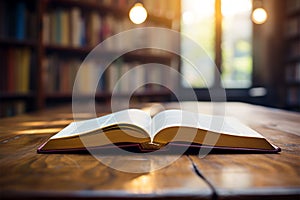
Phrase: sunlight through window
{"type": "Point", "coordinates": [198, 23]}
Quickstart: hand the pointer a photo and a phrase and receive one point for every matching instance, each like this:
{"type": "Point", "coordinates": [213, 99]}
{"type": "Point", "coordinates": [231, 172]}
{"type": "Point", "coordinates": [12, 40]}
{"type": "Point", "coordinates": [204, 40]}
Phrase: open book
{"type": "Point", "coordinates": [176, 128]}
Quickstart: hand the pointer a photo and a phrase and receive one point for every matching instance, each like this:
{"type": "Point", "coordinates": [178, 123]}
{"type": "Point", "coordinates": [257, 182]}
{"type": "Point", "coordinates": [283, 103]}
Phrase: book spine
{"type": "Point", "coordinates": [64, 28]}
{"type": "Point", "coordinates": [46, 28]}
{"type": "Point", "coordinates": [82, 32]}
{"type": "Point", "coordinates": [20, 20]}
{"type": "Point", "coordinates": [25, 65]}
{"type": "Point", "coordinates": [2, 20]}
{"type": "Point", "coordinates": [61, 74]}
{"type": "Point", "coordinates": [58, 26]}
{"type": "Point", "coordinates": [11, 70]}
{"type": "Point", "coordinates": [32, 29]}
{"type": "Point", "coordinates": [75, 26]}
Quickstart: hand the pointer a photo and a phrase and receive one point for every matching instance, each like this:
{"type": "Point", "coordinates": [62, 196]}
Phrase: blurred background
{"type": "Point", "coordinates": [252, 49]}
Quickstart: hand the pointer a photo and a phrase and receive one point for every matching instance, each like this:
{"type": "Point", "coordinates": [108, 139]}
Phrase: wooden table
{"type": "Point", "coordinates": [26, 174]}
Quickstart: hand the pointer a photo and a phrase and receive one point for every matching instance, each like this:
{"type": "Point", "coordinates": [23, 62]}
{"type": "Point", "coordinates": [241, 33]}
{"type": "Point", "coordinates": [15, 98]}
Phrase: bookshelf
{"type": "Point", "coordinates": [292, 62]}
{"type": "Point", "coordinates": [18, 57]}
{"type": "Point", "coordinates": [52, 37]}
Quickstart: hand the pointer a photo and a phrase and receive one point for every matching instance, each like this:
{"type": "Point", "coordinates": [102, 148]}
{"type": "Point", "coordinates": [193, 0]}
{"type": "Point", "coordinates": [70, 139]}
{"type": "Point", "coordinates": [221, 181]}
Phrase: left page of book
{"type": "Point", "coordinates": [130, 117]}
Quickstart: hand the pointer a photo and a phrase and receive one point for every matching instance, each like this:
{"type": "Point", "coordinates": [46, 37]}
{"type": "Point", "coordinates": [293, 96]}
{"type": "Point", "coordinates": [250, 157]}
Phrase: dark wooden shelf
{"type": "Point", "coordinates": [16, 96]}
{"type": "Point", "coordinates": [68, 96]}
{"type": "Point", "coordinates": [293, 60]}
{"type": "Point", "coordinates": [67, 49]}
{"type": "Point", "coordinates": [145, 57]}
{"type": "Point", "coordinates": [17, 43]}
{"type": "Point", "coordinates": [139, 56]}
{"type": "Point", "coordinates": [147, 93]}
{"type": "Point", "coordinates": [293, 38]}
{"type": "Point", "coordinates": [151, 93]}
{"type": "Point", "coordinates": [107, 95]}
{"type": "Point", "coordinates": [293, 83]}
{"type": "Point", "coordinates": [58, 95]}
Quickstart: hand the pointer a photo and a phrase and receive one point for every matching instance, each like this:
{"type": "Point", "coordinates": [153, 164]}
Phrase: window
{"type": "Point", "coordinates": [202, 23]}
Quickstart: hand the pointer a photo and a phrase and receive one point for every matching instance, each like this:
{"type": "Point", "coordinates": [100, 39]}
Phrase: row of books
{"type": "Point", "coordinates": [60, 74]}
{"type": "Point", "coordinates": [12, 108]}
{"type": "Point", "coordinates": [64, 27]}
{"type": "Point", "coordinates": [16, 70]}
{"type": "Point", "coordinates": [293, 73]}
{"type": "Point", "coordinates": [69, 27]}
{"type": "Point", "coordinates": [120, 77]}
{"type": "Point", "coordinates": [17, 20]}
{"type": "Point", "coordinates": [134, 77]}
{"type": "Point", "coordinates": [125, 78]}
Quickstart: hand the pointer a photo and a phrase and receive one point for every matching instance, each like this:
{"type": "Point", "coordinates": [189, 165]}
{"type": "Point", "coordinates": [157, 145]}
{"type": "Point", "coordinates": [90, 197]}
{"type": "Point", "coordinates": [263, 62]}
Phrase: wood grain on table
{"type": "Point", "coordinates": [24, 173]}
{"type": "Point", "coordinates": [258, 175]}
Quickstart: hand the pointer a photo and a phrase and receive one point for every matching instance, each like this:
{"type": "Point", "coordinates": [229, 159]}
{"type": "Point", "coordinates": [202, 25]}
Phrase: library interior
{"type": "Point", "coordinates": [69, 60]}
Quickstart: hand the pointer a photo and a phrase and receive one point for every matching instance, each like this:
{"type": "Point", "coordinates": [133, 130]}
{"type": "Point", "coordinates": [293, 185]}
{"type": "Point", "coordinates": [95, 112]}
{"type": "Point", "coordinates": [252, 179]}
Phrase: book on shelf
{"type": "Point", "coordinates": [135, 130]}
{"type": "Point", "coordinates": [120, 77]}
{"type": "Point", "coordinates": [17, 21]}
{"type": "Point", "coordinates": [124, 77]}
{"type": "Point", "coordinates": [17, 70]}
{"type": "Point", "coordinates": [292, 73]}
{"type": "Point", "coordinates": [71, 27]}
{"type": "Point", "coordinates": [20, 22]}
{"type": "Point", "coordinates": [12, 108]}
{"type": "Point", "coordinates": [64, 27]}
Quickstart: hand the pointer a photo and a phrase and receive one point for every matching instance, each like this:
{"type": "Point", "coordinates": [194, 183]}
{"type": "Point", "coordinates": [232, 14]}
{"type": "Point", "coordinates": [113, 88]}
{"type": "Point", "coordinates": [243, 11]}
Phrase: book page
{"type": "Point", "coordinates": [131, 116]}
{"type": "Point", "coordinates": [218, 124]}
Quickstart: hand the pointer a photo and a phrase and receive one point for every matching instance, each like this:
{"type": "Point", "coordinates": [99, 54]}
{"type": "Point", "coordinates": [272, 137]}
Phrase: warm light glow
{"type": "Point", "coordinates": [138, 13]}
{"type": "Point", "coordinates": [235, 7]}
{"type": "Point", "coordinates": [46, 123]}
{"type": "Point", "coordinates": [259, 16]}
{"type": "Point", "coordinates": [39, 131]}
{"type": "Point", "coordinates": [236, 177]}
{"type": "Point", "coordinates": [188, 17]}
{"type": "Point", "coordinates": [143, 184]}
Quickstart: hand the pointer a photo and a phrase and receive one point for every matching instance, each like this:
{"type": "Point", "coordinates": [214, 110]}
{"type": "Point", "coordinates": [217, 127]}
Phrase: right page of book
{"type": "Point", "coordinates": [218, 124]}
